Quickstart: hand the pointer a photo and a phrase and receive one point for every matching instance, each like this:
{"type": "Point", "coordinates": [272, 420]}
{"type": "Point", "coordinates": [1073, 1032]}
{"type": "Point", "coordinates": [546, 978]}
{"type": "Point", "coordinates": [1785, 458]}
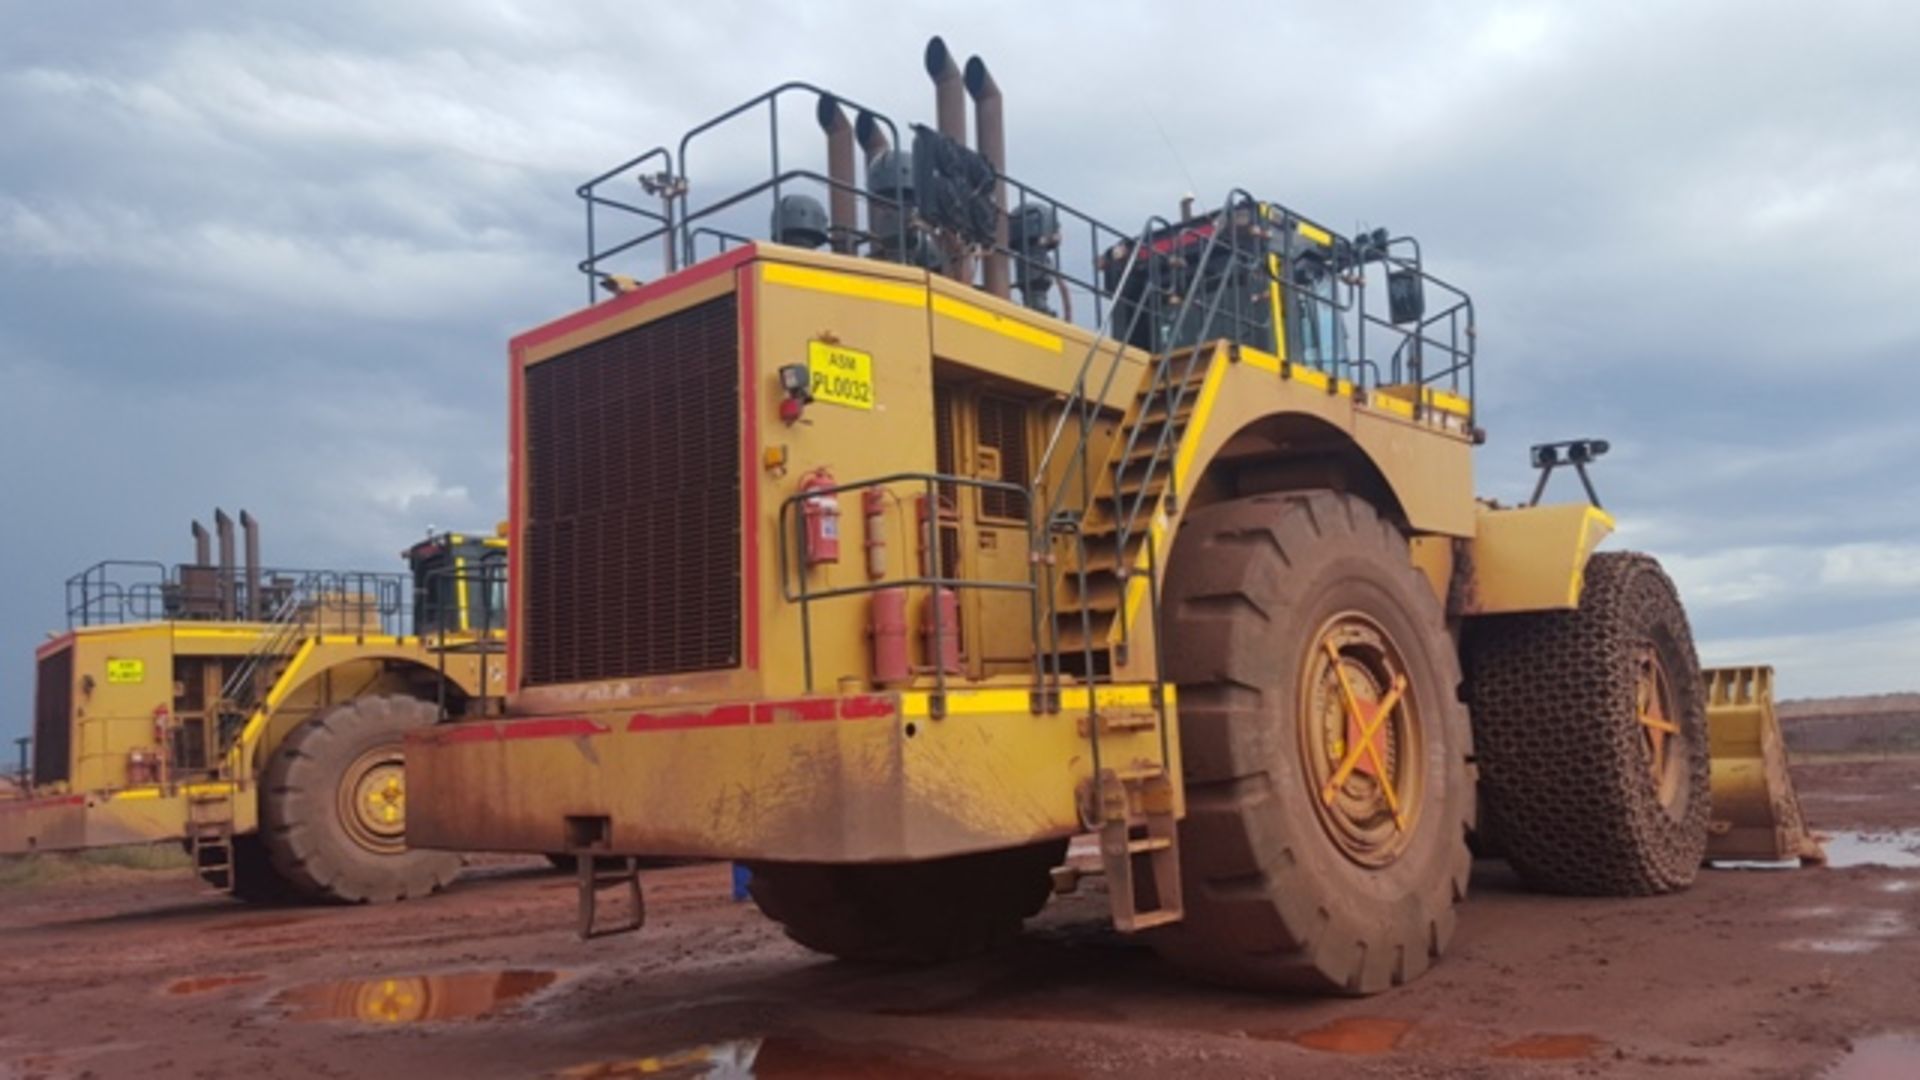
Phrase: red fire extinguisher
{"type": "Point", "coordinates": [820, 519]}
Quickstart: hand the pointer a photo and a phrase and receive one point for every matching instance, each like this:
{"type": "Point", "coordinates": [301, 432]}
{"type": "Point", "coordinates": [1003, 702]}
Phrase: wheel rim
{"type": "Point", "coordinates": [1660, 731]}
{"type": "Point", "coordinates": [373, 800]}
{"type": "Point", "coordinates": [1361, 738]}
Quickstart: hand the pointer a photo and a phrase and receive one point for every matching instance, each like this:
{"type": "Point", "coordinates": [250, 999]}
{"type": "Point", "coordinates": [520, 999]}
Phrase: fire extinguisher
{"type": "Point", "coordinates": [820, 519]}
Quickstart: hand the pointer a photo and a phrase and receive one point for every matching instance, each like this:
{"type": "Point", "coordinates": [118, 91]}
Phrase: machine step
{"type": "Point", "coordinates": [1138, 827]}
{"type": "Point", "coordinates": [598, 874]}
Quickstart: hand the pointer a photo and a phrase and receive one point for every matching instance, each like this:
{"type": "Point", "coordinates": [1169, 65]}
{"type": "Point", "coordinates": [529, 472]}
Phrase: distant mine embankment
{"type": "Point", "coordinates": [1881, 723]}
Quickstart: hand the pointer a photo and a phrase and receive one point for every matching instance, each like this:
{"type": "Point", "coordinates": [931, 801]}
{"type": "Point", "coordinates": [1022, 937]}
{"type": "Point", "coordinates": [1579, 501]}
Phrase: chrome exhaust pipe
{"type": "Point", "coordinates": [990, 133]}
{"type": "Point", "coordinates": [223, 528]}
{"type": "Point", "coordinates": [250, 528]}
{"type": "Point", "coordinates": [843, 211]}
{"type": "Point", "coordinates": [949, 102]}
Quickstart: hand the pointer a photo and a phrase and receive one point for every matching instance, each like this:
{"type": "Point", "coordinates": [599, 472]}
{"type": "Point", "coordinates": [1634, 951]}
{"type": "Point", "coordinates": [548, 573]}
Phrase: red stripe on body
{"type": "Point", "coordinates": [770, 712]}
{"type": "Point", "coordinates": [47, 648]}
{"type": "Point", "coordinates": [867, 707]}
{"type": "Point", "coordinates": [42, 804]}
{"type": "Point", "coordinates": [724, 716]}
{"type": "Point", "coordinates": [652, 290]}
{"type": "Point", "coordinates": [516, 535]}
{"type": "Point", "coordinates": [750, 461]}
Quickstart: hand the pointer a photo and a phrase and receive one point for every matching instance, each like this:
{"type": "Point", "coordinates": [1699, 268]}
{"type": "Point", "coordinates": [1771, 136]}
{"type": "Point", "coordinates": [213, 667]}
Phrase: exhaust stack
{"type": "Point", "coordinates": [250, 528]}
{"type": "Point", "coordinates": [842, 210]}
{"type": "Point", "coordinates": [223, 528]}
{"type": "Point", "coordinates": [949, 102]}
{"type": "Point", "coordinates": [872, 139]}
{"type": "Point", "coordinates": [990, 133]}
{"type": "Point", "coordinates": [950, 112]}
{"type": "Point", "coordinates": [202, 545]}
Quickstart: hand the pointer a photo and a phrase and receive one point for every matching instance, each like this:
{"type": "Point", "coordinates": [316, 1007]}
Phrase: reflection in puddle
{"type": "Point", "coordinates": [800, 1059]}
{"type": "Point", "coordinates": [205, 984]}
{"type": "Point", "coordinates": [1550, 1048]}
{"type": "Point", "coordinates": [1897, 848]}
{"type": "Point", "coordinates": [1879, 1057]}
{"type": "Point", "coordinates": [413, 999]}
{"type": "Point", "coordinates": [1356, 1035]}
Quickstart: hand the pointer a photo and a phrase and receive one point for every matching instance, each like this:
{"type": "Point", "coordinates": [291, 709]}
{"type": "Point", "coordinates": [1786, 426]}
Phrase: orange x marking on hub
{"type": "Point", "coordinates": [1368, 744]}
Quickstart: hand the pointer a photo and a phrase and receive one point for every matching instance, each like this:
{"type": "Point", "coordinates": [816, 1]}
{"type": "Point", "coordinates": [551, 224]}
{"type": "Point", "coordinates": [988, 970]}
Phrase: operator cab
{"type": "Point", "coordinates": [1278, 270]}
{"type": "Point", "coordinates": [459, 584]}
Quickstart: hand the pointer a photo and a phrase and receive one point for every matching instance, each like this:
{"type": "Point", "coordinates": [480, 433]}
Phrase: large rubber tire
{"type": "Point", "coordinates": [303, 821]}
{"type": "Point", "coordinates": [255, 880]}
{"type": "Point", "coordinates": [1564, 760]}
{"type": "Point", "coordinates": [1273, 902]}
{"type": "Point", "coordinates": [908, 913]}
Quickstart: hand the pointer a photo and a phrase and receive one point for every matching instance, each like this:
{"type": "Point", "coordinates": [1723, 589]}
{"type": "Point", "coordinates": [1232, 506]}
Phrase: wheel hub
{"type": "Point", "coordinates": [373, 800]}
{"type": "Point", "coordinates": [1361, 739]}
{"type": "Point", "coordinates": [1666, 750]}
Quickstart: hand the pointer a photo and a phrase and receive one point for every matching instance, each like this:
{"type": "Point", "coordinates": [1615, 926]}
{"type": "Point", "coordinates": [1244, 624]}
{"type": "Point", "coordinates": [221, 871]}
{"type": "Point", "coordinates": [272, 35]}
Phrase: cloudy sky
{"type": "Point", "coordinates": [268, 255]}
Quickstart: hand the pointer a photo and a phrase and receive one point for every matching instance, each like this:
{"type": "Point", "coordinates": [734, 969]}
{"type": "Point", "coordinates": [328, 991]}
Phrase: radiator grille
{"type": "Point", "coordinates": [53, 718]}
{"type": "Point", "coordinates": [633, 503]}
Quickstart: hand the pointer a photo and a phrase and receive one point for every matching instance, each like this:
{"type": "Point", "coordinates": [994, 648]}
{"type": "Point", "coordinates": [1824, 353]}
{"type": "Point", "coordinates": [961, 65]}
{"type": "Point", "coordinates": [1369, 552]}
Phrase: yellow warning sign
{"type": "Point", "coordinates": [840, 375]}
{"type": "Point", "coordinates": [126, 671]}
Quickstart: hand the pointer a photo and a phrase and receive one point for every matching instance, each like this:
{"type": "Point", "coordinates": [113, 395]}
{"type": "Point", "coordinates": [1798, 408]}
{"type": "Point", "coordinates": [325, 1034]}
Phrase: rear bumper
{"type": "Point", "coordinates": [96, 820]}
{"type": "Point", "coordinates": [860, 778]}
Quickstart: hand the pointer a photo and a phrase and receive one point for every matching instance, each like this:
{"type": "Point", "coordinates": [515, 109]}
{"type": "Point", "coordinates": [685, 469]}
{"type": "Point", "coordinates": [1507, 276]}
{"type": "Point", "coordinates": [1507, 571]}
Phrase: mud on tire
{"type": "Point", "coordinates": [908, 913]}
{"type": "Point", "coordinates": [305, 806]}
{"type": "Point", "coordinates": [1566, 763]}
{"type": "Point", "coordinates": [1273, 899]}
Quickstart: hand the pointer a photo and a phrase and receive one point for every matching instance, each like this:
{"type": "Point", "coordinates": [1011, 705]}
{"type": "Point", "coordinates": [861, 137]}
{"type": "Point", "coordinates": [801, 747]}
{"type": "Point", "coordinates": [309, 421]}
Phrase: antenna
{"type": "Point", "coordinates": [1172, 150]}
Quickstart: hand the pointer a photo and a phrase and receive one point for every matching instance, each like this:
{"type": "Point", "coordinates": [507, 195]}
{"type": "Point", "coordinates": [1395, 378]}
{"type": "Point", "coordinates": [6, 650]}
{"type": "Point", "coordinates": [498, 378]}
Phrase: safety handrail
{"type": "Point", "coordinates": [931, 483]}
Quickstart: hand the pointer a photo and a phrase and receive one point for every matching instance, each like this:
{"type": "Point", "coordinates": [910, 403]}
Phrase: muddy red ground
{"type": "Point", "coordinates": [1749, 973]}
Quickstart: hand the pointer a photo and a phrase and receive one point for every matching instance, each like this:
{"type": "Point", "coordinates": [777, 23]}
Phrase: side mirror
{"type": "Point", "coordinates": [1406, 296]}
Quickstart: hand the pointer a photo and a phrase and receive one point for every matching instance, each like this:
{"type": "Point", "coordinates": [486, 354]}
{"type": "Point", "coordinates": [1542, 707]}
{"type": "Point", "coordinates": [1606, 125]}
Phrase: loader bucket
{"type": "Point", "coordinates": [1756, 815]}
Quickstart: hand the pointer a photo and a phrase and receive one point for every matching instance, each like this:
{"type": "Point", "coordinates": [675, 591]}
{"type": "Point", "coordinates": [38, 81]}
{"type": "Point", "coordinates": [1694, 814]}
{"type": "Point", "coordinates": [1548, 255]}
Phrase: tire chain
{"type": "Point", "coordinates": [1563, 760]}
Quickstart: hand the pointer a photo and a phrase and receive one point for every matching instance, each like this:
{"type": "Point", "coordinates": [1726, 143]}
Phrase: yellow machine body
{"type": "Point", "coordinates": [794, 751]}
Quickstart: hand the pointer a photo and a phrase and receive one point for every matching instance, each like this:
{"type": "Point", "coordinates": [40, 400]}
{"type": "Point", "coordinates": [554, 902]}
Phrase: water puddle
{"type": "Point", "coordinates": [1879, 1057]}
{"type": "Point", "coordinates": [413, 999]}
{"type": "Point", "coordinates": [207, 984]}
{"type": "Point", "coordinates": [1834, 946]}
{"type": "Point", "coordinates": [1880, 923]}
{"type": "Point", "coordinates": [1895, 848]}
{"type": "Point", "coordinates": [268, 922]}
{"type": "Point", "coordinates": [801, 1059]}
{"type": "Point", "coordinates": [1355, 1035]}
{"type": "Point", "coordinates": [1550, 1048]}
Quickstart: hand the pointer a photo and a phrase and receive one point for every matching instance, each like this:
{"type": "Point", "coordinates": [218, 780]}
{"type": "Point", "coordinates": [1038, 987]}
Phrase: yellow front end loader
{"type": "Point", "coordinates": [256, 715]}
{"type": "Point", "coordinates": [1756, 813]}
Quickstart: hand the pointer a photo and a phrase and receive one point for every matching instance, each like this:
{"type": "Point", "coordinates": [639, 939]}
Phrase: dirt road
{"type": "Point", "coordinates": [1750, 973]}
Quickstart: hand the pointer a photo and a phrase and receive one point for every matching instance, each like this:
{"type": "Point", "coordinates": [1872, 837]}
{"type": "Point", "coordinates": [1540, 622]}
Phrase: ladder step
{"type": "Point", "coordinates": [1151, 843]}
{"type": "Point", "coordinates": [1147, 920]}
